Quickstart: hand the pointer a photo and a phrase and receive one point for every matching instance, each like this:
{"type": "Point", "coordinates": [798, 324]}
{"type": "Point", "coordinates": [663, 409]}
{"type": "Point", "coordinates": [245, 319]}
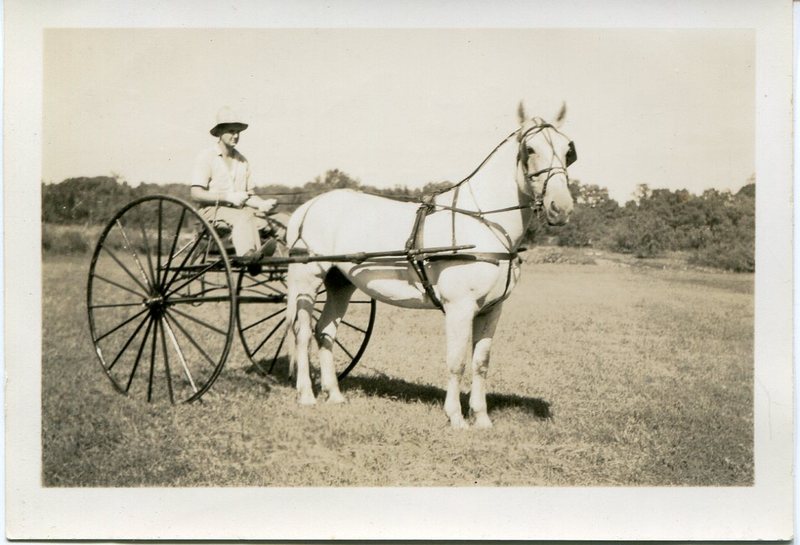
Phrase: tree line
{"type": "Point", "coordinates": [716, 228]}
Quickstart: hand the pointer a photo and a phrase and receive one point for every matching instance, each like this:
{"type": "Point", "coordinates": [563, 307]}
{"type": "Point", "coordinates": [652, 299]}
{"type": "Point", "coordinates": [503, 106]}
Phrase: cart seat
{"type": "Point", "coordinates": [274, 229]}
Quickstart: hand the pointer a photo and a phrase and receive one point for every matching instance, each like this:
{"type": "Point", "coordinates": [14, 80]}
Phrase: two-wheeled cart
{"type": "Point", "coordinates": [166, 298]}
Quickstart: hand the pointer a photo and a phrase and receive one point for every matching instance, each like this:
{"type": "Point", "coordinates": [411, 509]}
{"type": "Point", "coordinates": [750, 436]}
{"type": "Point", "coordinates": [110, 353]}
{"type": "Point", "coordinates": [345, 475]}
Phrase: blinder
{"type": "Point", "coordinates": [572, 155]}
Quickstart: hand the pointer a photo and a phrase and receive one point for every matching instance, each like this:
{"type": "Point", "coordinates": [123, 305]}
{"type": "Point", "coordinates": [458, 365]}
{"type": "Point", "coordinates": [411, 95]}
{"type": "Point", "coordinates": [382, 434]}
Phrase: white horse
{"type": "Point", "coordinates": [489, 211]}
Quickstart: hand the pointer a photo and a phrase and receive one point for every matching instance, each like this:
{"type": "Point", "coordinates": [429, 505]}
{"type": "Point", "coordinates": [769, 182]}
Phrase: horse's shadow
{"type": "Point", "coordinates": [385, 386]}
{"type": "Point", "coordinates": [382, 385]}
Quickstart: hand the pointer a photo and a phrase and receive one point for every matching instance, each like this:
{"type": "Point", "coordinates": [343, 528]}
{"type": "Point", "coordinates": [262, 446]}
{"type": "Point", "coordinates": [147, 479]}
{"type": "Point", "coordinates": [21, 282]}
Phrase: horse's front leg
{"type": "Point", "coordinates": [483, 328]}
{"type": "Point", "coordinates": [458, 329]}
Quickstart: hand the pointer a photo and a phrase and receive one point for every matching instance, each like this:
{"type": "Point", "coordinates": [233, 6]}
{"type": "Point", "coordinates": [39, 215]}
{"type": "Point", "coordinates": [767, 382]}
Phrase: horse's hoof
{"type": "Point", "coordinates": [458, 423]}
{"type": "Point", "coordinates": [306, 399]}
{"type": "Point", "coordinates": [336, 398]}
{"type": "Point", "coordinates": [483, 422]}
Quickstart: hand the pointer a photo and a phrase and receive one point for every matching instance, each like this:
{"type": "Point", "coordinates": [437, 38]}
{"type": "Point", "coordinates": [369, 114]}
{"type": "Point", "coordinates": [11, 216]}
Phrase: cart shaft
{"type": "Point", "coordinates": [362, 256]}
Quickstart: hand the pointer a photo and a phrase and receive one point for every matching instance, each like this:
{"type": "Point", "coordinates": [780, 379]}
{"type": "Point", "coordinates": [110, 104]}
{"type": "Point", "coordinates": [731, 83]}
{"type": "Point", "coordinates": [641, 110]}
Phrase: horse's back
{"type": "Point", "coordinates": [346, 221]}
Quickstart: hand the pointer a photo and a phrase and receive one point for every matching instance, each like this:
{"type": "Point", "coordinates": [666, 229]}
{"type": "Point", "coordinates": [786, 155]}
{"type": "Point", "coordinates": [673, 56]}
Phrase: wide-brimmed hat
{"type": "Point", "coordinates": [227, 118]}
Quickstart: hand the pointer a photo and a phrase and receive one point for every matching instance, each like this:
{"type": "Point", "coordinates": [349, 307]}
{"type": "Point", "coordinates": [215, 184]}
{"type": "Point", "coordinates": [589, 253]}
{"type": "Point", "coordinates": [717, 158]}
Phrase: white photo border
{"type": "Point", "coordinates": [763, 511]}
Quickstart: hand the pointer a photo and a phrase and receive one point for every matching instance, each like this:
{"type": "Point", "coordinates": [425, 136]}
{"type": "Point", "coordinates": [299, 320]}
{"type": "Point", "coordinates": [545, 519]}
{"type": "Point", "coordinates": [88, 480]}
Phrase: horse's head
{"type": "Point", "coordinates": [542, 161]}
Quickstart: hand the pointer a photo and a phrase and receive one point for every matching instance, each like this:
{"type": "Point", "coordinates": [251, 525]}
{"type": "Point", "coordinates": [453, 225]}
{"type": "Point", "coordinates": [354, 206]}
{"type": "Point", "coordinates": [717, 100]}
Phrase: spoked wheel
{"type": "Point", "coordinates": [161, 301]}
{"type": "Point", "coordinates": [262, 322]}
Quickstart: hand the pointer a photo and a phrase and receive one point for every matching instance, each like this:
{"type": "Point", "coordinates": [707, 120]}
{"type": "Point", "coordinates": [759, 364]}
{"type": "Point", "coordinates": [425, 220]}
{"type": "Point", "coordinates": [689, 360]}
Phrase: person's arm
{"type": "Point", "coordinates": [207, 197]}
{"type": "Point", "coordinates": [262, 205]}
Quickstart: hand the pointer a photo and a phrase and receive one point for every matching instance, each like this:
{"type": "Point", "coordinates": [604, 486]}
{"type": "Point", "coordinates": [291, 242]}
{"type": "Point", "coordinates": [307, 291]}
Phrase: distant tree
{"type": "Point", "coordinates": [84, 200]}
{"type": "Point", "coordinates": [748, 190]}
{"type": "Point", "coordinates": [332, 179]}
{"type": "Point", "coordinates": [642, 192]}
{"type": "Point", "coordinates": [641, 233]}
{"type": "Point", "coordinates": [730, 231]}
{"type": "Point", "coordinates": [435, 187]}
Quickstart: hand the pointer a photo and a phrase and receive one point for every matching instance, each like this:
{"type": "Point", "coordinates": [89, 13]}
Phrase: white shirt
{"type": "Point", "coordinates": [213, 173]}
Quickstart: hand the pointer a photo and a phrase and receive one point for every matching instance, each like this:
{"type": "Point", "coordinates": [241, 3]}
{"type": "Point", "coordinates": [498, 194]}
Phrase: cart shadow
{"type": "Point", "coordinates": [395, 388]}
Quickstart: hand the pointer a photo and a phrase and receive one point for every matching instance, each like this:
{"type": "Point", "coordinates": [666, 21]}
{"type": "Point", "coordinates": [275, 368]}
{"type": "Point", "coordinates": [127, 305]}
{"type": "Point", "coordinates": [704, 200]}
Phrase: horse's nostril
{"type": "Point", "coordinates": [554, 207]}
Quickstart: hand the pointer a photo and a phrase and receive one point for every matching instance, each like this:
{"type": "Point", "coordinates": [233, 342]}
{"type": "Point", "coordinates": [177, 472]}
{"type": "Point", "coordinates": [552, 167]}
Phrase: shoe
{"type": "Point", "coordinates": [254, 256]}
{"type": "Point", "coordinates": [268, 248]}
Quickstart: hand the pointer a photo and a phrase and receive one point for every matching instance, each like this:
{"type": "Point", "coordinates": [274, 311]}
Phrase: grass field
{"type": "Point", "coordinates": [601, 375]}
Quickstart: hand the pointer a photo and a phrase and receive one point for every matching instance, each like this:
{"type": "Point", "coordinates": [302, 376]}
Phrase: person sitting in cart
{"type": "Point", "coordinates": [221, 187]}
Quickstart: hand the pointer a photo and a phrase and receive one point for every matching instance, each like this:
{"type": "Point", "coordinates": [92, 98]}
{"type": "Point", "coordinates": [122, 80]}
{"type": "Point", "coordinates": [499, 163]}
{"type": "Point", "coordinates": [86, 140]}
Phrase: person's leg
{"type": "Point", "coordinates": [244, 228]}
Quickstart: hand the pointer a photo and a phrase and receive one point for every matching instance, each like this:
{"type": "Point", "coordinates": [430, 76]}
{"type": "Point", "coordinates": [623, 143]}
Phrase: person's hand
{"type": "Point", "coordinates": [237, 198]}
{"type": "Point", "coordinates": [266, 205]}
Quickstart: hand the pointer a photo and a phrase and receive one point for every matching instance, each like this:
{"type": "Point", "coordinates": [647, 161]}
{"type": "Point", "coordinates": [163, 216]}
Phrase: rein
{"type": "Point", "coordinates": [538, 200]}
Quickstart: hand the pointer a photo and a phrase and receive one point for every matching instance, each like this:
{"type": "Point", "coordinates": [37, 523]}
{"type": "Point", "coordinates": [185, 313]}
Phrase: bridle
{"type": "Point", "coordinates": [552, 170]}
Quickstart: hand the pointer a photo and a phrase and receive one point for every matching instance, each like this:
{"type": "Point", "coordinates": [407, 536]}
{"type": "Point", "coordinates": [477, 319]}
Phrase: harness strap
{"type": "Point", "coordinates": [453, 216]}
{"type": "Point", "coordinates": [505, 290]}
{"type": "Point", "coordinates": [419, 266]}
{"type": "Point", "coordinates": [477, 214]}
{"type": "Point", "coordinates": [424, 209]}
{"type": "Point", "coordinates": [488, 257]}
{"type": "Point", "coordinates": [414, 260]}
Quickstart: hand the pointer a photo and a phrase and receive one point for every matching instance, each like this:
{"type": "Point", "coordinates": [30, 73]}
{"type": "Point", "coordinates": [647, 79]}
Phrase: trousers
{"type": "Point", "coordinates": [244, 225]}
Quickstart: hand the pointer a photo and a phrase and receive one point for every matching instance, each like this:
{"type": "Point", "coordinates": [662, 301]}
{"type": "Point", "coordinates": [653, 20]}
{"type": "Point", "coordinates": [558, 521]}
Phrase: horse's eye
{"type": "Point", "coordinates": [529, 150]}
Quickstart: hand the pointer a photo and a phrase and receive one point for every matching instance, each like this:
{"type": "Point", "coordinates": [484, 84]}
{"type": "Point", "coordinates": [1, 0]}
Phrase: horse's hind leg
{"type": "Point", "coordinates": [338, 292]}
{"type": "Point", "coordinates": [458, 329]}
{"type": "Point", "coordinates": [303, 281]}
{"type": "Point", "coordinates": [483, 328]}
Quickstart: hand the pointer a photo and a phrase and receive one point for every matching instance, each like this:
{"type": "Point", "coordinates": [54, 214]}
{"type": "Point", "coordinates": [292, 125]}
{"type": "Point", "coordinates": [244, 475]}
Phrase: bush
{"type": "Point", "coordinates": [737, 257]}
{"type": "Point", "coordinates": [67, 239]}
{"type": "Point", "coordinates": [580, 231]}
{"type": "Point", "coordinates": [642, 235]}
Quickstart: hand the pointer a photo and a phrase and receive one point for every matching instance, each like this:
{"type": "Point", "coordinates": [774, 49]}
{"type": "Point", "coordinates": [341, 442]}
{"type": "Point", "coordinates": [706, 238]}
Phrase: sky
{"type": "Point", "coordinates": [669, 108]}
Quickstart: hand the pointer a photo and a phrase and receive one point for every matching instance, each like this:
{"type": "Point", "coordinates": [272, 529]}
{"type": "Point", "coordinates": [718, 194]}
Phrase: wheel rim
{"type": "Point", "coordinates": [160, 300]}
{"type": "Point", "coordinates": [262, 322]}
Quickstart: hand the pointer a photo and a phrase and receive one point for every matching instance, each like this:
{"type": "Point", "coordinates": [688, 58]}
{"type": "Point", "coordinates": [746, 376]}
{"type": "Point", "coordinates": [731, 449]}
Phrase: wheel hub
{"type": "Point", "coordinates": [155, 302]}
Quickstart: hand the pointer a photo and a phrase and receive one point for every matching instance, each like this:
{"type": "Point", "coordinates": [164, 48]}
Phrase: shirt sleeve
{"type": "Point", "coordinates": [201, 174]}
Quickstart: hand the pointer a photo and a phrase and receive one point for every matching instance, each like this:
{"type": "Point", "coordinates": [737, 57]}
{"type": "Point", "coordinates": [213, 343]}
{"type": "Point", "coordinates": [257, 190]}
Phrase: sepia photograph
{"type": "Point", "coordinates": [482, 266]}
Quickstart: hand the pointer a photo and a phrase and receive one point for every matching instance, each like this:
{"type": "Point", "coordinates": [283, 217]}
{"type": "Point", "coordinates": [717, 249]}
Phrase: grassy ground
{"type": "Point", "coordinates": [601, 375]}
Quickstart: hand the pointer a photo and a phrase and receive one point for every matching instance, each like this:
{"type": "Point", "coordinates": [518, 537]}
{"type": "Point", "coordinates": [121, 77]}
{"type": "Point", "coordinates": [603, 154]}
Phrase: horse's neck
{"type": "Point", "coordinates": [494, 187]}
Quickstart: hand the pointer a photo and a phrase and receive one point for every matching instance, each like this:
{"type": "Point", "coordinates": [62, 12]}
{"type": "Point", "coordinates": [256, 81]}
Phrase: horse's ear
{"type": "Point", "coordinates": [521, 113]}
{"type": "Point", "coordinates": [562, 113]}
